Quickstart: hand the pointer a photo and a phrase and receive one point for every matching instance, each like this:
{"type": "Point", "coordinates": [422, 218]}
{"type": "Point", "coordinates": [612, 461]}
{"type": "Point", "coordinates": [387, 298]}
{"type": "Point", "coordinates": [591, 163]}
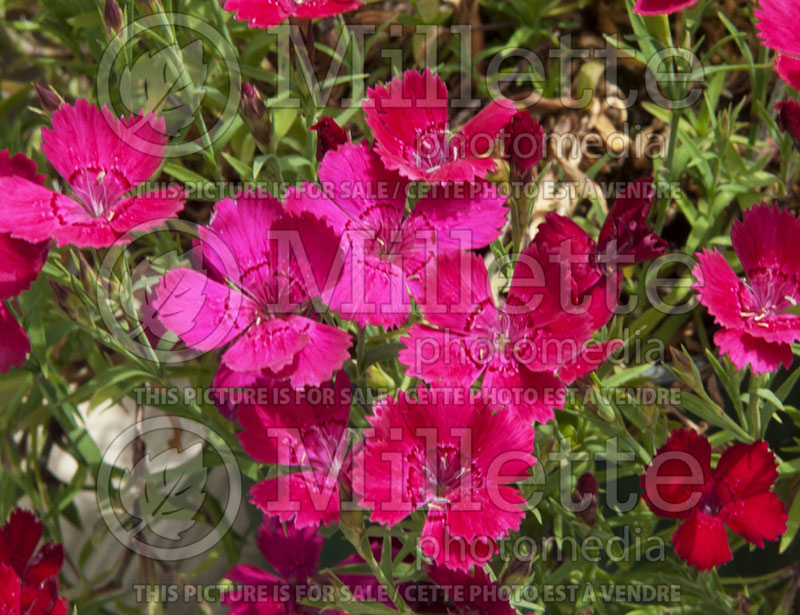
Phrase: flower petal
{"type": "Point", "coordinates": [757, 518]}
{"type": "Point", "coordinates": [744, 349]}
{"type": "Point", "coordinates": [701, 540]}
{"type": "Point", "coordinates": [16, 346]}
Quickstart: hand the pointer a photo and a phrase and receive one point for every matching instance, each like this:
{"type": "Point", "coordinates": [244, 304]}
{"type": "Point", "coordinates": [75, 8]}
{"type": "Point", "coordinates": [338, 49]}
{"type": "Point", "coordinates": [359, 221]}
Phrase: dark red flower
{"type": "Point", "coordinates": [680, 484]}
{"type": "Point", "coordinates": [329, 136]}
{"type": "Point", "coordinates": [789, 119]}
{"type": "Point", "coordinates": [29, 578]}
{"type": "Point", "coordinates": [524, 141]}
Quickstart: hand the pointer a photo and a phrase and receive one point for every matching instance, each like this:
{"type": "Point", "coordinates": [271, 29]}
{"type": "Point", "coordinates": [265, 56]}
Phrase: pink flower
{"type": "Point", "coordinates": [409, 121]}
{"type": "Point", "coordinates": [329, 136]}
{"type": "Point", "coordinates": [446, 451]}
{"type": "Point", "coordinates": [264, 267]}
{"type": "Point", "coordinates": [269, 13]}
{"type": "Point", "coordinates": [679, 484]}
{"type": "Point", "coordinates": [757, 327]}
{"type": "Point", "coordinates": [93, 152]}
{"type": "Point", "coordinates": [29, 578]}
{"type": "Point", "coordinates": [20, 264]}
{"type": "Point", "coordinates": [775, 21]}
{"type": "Point", "coordinates": [661, 7]}
{"type": "Point", "coordinates": [789, 119]}
{"type": "Point", "coordinates": [304, 430]}
{"type": "Point", "coordinates": [294, 556]}
{"type": "Point", "coordinates": [385, 254]}
{"type": "Point", "coordinates": [519, 346]}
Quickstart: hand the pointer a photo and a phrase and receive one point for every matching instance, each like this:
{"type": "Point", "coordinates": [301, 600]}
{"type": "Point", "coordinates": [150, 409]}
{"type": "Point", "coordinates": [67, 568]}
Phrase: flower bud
{"type": "Point", "coordinates": [256, 115]}
{"type": "Point", "coordinates": [329, 136]}
{"type": "Point", "coordinates": [789, 119]}
{"type": "Point", "coordinates": [112, 15]}
{"type": "Point", "coordinates": [524, 146]}
{"type": "Point", "coordinates": [585, 495]}
{"type": "Point", "coordinates": [49, 99]}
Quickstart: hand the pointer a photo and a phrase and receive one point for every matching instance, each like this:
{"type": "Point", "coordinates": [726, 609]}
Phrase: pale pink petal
{"type": "Point", "coordinates": [15, 346]}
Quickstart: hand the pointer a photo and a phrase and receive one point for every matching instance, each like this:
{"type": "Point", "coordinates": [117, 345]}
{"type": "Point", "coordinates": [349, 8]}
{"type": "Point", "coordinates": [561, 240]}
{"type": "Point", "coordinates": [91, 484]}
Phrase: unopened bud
{"type": "Point", "coordinates": [329, 136]}
{"type": "Point", "coordinates": [112, 15]}
{"type": "Point", "coordinates": [49, 99]}
{"type": "Point", "coordinates": [789, 119]}
{"type": "Point", "coordinates": [585, 495]}
{"type": "Point", "coordinates": [256, 115]}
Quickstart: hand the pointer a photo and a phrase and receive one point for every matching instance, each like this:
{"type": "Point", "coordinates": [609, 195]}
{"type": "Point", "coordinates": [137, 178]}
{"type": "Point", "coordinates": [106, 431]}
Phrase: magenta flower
{"type": "Point", "coordinates": [94, 153]}
{"type": "Point", "coordinates": [256, 299]}
{"type": "Point", "coordinates": [269, 13]}
{"type": "Point", "coordinates": [305, 430]}
{"type": "Point", "coordinates": [679, 484]}
{"type": "Point", "coordinates": [20, 264]}
{"type": "Point", "coordinates": [661, 7]}
{"type": "Point", "coordinates": [469, 593]}
{"type": "Point", "coordinates": [409, 121]}
{"type": "Point", "coordinates": [449, 452]}
{"type": "Point", "coordinates": [294, 556]}
{"type": "Point", "coordinates": [775, 22]}
{"type": "Point", "coordinates": [385, 254]}
{"type": "Point", "coordinates": [519, 347]}
{"type": "Point", "coordinates": [758, 326]}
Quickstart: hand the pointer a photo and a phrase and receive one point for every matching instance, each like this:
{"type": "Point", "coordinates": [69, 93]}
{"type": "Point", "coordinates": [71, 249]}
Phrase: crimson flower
{"type": "Point", "coordinates": [102, 159]}
{"type": "Point", "coordinates": [385, 251]}
{"type": "Point", "coordinates": [294, 556]}
{"type": "Point", "coordinates": [269, 13]}
{"type": "Point", "coordinates": [758, 326]}
{"type": "Point", "coordinates": [679, 484]}
{"type": "Point", "coordinates": [451, 454]}
{"type": "Point", "coordinates": [29, 578]}
{"type": "Point", "coordinates": [408, 118]}
{"type": "Point", "coordinates": [311, 439]}
{"type": "Point", "coordinates": [20, 264]}
{"type": "Point", "coordinates": [264, 267]}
